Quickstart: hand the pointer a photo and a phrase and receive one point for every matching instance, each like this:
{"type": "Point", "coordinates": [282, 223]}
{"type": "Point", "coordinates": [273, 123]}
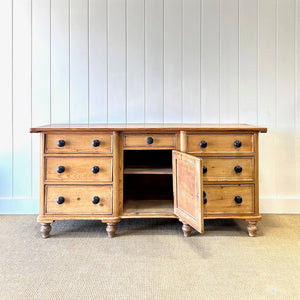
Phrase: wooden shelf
{"type": "Point", "coordinates": [149, 170]}
{"type": "Point", "coordinates": [134, 207]}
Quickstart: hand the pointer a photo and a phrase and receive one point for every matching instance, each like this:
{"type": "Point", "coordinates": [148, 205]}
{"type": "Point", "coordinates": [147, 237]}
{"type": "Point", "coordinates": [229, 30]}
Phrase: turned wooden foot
{"type": "Point", "coordinates": [187, 229]}
{"type": "Point", "coordinates": [111, 228]}
{"type": "Point", "coordinates": [252, 228]}
{"type": "Point", "coordinates": [45, 230]}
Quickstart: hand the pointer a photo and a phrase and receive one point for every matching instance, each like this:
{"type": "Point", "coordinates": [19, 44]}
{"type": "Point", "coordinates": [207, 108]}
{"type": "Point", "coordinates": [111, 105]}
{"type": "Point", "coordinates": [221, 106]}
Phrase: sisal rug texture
{"type": "Point", "coordinates": [150, 259]}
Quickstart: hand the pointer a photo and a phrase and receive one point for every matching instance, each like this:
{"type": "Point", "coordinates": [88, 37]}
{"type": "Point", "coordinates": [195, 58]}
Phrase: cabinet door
{"type": "Point", "coordinates": [187, 187]}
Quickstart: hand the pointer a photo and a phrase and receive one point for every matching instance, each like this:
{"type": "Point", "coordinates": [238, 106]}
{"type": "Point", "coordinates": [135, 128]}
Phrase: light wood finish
{"type": "Point", "coordinates": [151, 170]}
{"type": "Point", "coordinates": [78, 168]}
{"type": "Point", "coordinates": [78, 199]}
{"type": "Point", "coordinates": [149, 128]}
{"type": "Point", "coordinates": [187, 187]}
{"type": "Point", "coordinates": [222, 168]}
{"type": "Point", "coordinates": [221, 199]}
{"type": "Point", "coordinates": [144, 207]}
{"type": "Point", "coordinates": [78, 143]}
{"type": "Point", "coordinates": [160, 141]}
{"type": "Point", "coordinates": [220, 143]}
{"type": "Point", "coordinates": [135, 178]}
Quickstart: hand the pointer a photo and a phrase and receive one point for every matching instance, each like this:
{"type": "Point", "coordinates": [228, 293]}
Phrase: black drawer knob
{"type": "Point", "coordinates": [204, 169]}
{"type": "Point", "coordinates": [149, 140]}
{"type": "Point", "coordinates": [238, 199]}
{"type": "Point", "coordinates": [96, 143]}
{"type": "Point", "coordinates": [60, 200]}
{"type": "Point", "coordinates": [96, 200]}
{"type": "Point", "coordinates": [204, 194]}
{"type": "Point", "coordinates": [237, 144]}
{"type": "Point", "coordinates": [238, 169]}
{"type": "Point", "coordinates": [203, 144]}
{"type": "Point", "coordinates": [95, 169]}
{"type": "Point", "coordinates": [204, 200]}
{"type": "Point", "coordinates": [60, 169]}
{"type": "Point", "coordinates": [61, 143]}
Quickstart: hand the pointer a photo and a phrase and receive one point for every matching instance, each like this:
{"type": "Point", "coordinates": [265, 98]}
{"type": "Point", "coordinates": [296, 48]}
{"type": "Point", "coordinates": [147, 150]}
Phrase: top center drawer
{"type": "Point", "coordinates": [149, 141]}
{"type": "Point", "coordinates": [78, 143]}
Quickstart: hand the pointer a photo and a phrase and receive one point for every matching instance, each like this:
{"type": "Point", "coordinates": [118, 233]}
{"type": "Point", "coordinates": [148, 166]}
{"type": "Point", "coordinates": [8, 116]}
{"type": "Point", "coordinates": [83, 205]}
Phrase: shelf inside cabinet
{"type": "Point", "coordinates": [148, 207]}
{"type": "Point", "coordinates": [147, 170]}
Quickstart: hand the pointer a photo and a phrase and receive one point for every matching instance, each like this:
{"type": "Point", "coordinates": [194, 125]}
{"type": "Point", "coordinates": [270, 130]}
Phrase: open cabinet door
{"type": "Point", "coordinates": [187, 188]}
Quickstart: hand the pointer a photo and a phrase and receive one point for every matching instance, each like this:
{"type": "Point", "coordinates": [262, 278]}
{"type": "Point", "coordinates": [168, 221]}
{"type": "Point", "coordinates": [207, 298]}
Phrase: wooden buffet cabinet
{"type": "Point", "coordinates": [110, 172]}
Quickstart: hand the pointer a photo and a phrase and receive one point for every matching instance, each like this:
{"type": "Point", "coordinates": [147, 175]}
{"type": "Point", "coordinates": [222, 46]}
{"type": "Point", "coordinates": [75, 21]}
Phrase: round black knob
{"type": "Point", "coordinates": [149, 140]}
{"type": "Point", "coordinates": [60, 169]}
{"type": "Point", "coordinates": [204, 194]}
{"type": "Point", "coordinates": [237, 144]}
{"type": "Point", "coordinates": [96, 200]}
{"type": "Point", "coordinates": [238, 199]}
{"type": "Point", "coordinates": [238, 169]}
{"type": "Point", "coordinates": [204, 200]}
{"type": "Point", "coordinates": [96, 143]}
{"type": "Point", "coordinates": [95, 169]}
{"type": "Point", "coordinates": [204, 170]}
{"type": "Point", "coordinates": [203, 144]}
{"type": "Point", "coordinates": [60, 200]}
{"type": "Point", "coordinates": [61, 143]}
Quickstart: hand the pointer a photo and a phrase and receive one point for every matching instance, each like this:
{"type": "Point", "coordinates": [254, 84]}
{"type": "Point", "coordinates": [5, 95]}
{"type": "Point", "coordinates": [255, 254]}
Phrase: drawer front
{"type": "Point", "coordinates": [231, 199]}
{"type": "Point", "coordinates": [78, 143]}
{"type": "Point", "coordinates": [71, 199]}
{"type": "Point", "coordinates": [220, 143]}
{"type": "Point", "coordinates": [148, 141]}
{"type": "Point", "coordinates": [228, 168]}
{"type": "Point", "coordinates": [78, 168]}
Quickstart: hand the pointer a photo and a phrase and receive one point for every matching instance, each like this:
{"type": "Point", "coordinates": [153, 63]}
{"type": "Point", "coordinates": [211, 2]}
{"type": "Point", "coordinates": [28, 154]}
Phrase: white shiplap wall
{"type": "Point", "coordinates": [98, 61]}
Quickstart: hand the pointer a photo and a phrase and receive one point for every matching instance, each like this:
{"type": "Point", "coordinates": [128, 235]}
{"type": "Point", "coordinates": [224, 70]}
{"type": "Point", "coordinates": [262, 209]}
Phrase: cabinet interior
{"type": "Point", "coordinates": [148, 182]}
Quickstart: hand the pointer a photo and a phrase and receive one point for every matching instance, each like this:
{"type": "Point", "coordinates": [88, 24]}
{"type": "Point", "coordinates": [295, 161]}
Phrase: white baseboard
{"type": "Point", "coordinates": [279, 205]}
{"type": "Point", "coordinates": [267, 205]}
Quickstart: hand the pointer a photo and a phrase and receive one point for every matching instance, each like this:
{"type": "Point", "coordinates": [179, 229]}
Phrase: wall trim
{"type": "Point", "coordinates": [279, 205]}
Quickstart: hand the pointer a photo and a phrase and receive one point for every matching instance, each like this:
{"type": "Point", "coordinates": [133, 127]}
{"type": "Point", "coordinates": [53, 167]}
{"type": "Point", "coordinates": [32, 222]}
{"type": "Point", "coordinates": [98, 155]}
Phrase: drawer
{"type": "Point", "coordinates": [148, 141]}
{"type": "Point", "coordinates": [228, 168]}
{"type": "Point", "coordinates": [78, 143]}
{"type": "Point", "coordinates": [231, 199]}
{"type": "Point", "coordinates": [220, 143]}
{"type": "Point", "coordinates": [78, 168]}
{"type": "Point", "coordinates": [71, 199]}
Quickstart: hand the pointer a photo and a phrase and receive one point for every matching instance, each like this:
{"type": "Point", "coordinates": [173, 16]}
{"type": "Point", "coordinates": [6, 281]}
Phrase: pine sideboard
{"type": "Point", "coordinates": [111, 172]}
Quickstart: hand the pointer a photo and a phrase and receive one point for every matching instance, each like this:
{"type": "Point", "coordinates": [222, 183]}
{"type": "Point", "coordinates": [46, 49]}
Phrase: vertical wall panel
{"type": "Point", "coordinates": [21, 98]}
{"type": "Point", "coordinates": [267, 94]}
{"type": "Point", "coordinates": [135, 61]}
{"type": "Point", "coordinates": [229, 61]}
{"type": "Point", "coordinates": [41, 108]}
{"type": "Point", "coordinates": [191, 61]}
{"type": "Point", "coordinates": [173, 61]}
{"type": "Point", "coordinates": [154, 68]}
{"type": "Point", "coordinates": [285, 150]}
{"type": "Point", "coordinates": [248, 59]}
{"type": "Point", "coordinates": [98, 61]}
{"type": "Point", "coordinates": [79, 96]}
{"type": "Point", "coordinates": [116, 61]}
{"type": "Point", "coordinates": [210, 62]}
{"type": "Point", "coordinates": [297, 99]}
{"type": "Point", "coordinates": [60, 61]}
{"type": "Point", "coordinates": [6, 101]}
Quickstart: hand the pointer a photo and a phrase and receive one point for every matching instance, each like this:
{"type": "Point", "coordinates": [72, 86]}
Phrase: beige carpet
{"type": "Point", "coordinates": [150, 259]}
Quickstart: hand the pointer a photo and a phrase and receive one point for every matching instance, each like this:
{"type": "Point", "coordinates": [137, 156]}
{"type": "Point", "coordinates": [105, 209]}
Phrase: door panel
{"type": "Point", "coordinates": [187, 187]}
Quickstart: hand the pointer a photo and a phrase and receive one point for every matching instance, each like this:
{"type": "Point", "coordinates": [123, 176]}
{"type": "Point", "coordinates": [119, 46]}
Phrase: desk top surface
{"type": "Point", "coordinates": [146, 127]}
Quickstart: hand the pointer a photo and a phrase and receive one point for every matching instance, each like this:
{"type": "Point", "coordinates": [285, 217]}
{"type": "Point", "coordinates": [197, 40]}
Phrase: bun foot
{"type": "Point", "coordinates": [111, 229]}
{"type": "Point", "coordinates": [187, 229]}
{"type": "Point", "coordinates": [45, 230]}
{"type": "Point", "coordinates": [252, 228]}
